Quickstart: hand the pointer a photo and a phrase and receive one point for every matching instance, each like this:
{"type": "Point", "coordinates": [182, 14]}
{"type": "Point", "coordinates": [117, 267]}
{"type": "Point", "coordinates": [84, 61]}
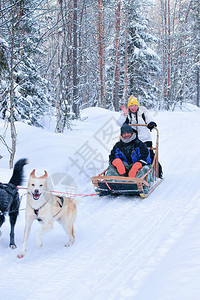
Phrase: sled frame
{"type": "Point", "coordinates": [106, 185]}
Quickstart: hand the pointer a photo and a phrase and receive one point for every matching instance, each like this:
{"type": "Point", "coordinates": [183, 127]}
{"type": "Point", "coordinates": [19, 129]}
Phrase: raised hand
{"type": "Point", "coordinates": [124, 109]}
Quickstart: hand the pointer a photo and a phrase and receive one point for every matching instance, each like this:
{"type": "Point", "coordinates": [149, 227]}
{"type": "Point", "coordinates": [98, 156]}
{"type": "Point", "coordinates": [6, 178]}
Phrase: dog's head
{"type": "Point", "coordinates": [37, 185]}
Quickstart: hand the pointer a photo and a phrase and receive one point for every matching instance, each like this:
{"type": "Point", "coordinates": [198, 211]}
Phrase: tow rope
{"type": "Point", "coordinates": [72, 194]}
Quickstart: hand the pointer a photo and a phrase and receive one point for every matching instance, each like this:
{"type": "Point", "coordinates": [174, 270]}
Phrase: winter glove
{"type": "Point", "coordinates": [151, 125]}
{"type": "Point", "coordinates": [135, 168]}
{"type": "Point", "coordinates": [119, 165]}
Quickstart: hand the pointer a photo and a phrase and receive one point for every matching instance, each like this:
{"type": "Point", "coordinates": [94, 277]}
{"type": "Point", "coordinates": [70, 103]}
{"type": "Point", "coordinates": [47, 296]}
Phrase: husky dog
{"type": "Point", "coordinates": [45, 207]}
{"type": "Point", "coordinates": [9, 198]}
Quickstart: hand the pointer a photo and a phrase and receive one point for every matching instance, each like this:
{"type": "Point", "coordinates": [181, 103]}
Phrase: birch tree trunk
{"type": "Point", "coordinates": [101, 53]}
{"type": "Point", "coordinates": [58, 88]}
{"type": "Point", "coordinates": [169, 51]}
{"type": "Point", "coordinates": [126, 59]}
{"type": "Point", "coordinates": [75, 51]}
{"type": "Point", "coordinates": [117, 58]}
{"type": "Point", "coordinates": [12, 123]}
{"type": "Point", "coordinates": [198, 55]}
{"type": "Point", "coordinates": [165, 53]}
{"type": "Point", "coordinates": [198, 83]}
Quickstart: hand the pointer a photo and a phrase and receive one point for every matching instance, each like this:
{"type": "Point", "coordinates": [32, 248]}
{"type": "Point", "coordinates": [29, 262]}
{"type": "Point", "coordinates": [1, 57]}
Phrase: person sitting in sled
{"type": "Point", "coordinates": [136, 115]}
{"type": "Point", "coordinates": [128, 155]}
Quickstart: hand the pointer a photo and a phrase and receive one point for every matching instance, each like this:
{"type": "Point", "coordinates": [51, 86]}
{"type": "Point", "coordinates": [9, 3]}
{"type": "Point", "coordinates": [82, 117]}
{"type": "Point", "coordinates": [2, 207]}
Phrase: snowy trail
{"type": "Point", "coordinates": [120, 241]}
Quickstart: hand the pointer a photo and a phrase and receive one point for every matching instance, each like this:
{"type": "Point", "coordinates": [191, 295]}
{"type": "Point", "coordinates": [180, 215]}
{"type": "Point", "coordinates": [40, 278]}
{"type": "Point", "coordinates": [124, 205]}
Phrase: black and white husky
{"type": "Point", "coordinates": [9, 198]}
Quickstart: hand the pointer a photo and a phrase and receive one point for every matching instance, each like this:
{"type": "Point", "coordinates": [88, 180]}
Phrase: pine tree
{"type": "Point", "coordinates": [143, 62]}
{"type": "Point", "coordinates": [30, 94]}
{"type": "Point", "coordinates": [139, 64]}
{"type": "Point", "coordinates": [4, 67]}
{"type": "Point", "coordinates": [195, 51]}
{"type": "Point", "coordinates": [178, 46]}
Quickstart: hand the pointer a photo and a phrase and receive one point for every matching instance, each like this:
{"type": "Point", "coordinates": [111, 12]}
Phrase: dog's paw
{"type": "Point", "coordinates": [69, 244]}
{"type": "Point", "coordinates": [13, 246]}
{"type": "Point", "coordinates": [20, 255]}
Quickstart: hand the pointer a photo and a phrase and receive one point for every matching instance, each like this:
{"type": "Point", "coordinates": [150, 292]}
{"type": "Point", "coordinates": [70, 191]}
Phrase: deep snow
{"type": "Point", "coordinates": [125, 247]}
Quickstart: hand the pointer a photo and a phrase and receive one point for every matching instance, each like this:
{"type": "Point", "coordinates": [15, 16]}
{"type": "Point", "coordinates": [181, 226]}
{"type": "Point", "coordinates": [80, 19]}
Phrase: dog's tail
{"type": "Point", "coordinates": [17, 176]}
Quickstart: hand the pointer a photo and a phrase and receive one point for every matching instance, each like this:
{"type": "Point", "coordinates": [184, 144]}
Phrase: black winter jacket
{"type": "Point", "coordinates": [131, 152]}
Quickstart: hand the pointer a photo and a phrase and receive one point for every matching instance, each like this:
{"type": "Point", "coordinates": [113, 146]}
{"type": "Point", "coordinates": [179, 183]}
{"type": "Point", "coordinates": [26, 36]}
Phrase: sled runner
{"type": "Point", "coordinates": [143, 184]}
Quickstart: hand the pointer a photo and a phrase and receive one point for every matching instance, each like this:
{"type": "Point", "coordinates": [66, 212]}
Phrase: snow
{"type": "Point", "coordinates": [126, 247]}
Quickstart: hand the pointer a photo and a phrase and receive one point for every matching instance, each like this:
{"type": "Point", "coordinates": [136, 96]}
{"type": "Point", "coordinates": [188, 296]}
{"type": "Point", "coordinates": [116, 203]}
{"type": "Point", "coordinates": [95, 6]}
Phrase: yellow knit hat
{"type": "Point", "coordinates": [132, 101]}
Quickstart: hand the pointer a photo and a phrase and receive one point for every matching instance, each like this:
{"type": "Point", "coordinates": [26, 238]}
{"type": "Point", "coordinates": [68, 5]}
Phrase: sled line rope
{"type": "Point", "coordinates": [72, 194]}
{"type": "Point", "coordinates": [109, 186]}
{"type": "Point", "coordinates": [12, 211]}
{"type": "Point", "coordinates": [80, 195]}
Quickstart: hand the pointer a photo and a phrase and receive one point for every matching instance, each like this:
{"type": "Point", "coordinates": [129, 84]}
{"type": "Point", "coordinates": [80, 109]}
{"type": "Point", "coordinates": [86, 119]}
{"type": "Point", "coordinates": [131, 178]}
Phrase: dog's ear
{"type": "Point", "coordinates": [44, 176]}
{"type": "Point", "coordinates": [33, 174]}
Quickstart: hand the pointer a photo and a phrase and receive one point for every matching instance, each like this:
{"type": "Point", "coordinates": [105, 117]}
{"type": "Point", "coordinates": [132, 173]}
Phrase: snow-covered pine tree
{"type": "Point", "coordinates": [30, 97]}
{"type": "Point", "coordinates": [139, 64]}
{"type": "Point", "coordinates": [178, 32]}
{"type": "Point", "coordinates": [194, 51]}
{"type": "Point", "coordinates": [4, 66]}
{"type": "Point", "coordinates": [183, 55]}
{"type": "Point", "coordinates": [143, 62]}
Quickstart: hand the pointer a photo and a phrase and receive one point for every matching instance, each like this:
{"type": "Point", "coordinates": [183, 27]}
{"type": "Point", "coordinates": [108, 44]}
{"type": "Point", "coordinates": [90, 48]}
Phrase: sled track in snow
{"type": "Point", "coordinates": [119, 242]}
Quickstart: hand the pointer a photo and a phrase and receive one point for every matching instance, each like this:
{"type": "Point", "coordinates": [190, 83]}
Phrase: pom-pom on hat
{"type": "Point", "coordinates": [132, 101]}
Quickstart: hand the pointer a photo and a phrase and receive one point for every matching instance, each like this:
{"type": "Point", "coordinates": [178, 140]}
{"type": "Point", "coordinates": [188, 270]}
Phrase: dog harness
{"type": "Point", "coordinates": [36, 211]}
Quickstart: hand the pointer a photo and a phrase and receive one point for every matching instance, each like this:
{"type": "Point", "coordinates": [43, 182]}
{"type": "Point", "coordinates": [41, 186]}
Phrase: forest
{"type": "Point", "coordinates": [58, 57]}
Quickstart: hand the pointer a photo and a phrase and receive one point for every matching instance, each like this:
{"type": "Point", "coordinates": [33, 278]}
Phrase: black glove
{"type": "Point", "coordinates": [151, 125]}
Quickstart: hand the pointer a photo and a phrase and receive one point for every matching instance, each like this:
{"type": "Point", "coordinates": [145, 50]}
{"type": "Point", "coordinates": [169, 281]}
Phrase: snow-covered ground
{"type": "Point", "coordinates": [125, 247]}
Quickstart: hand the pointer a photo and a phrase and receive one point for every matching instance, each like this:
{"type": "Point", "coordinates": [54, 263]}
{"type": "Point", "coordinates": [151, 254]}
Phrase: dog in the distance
{"type": "Point", "coordinates": [9, 198]}
{"type": "Point", "coordinates": [44, 206]}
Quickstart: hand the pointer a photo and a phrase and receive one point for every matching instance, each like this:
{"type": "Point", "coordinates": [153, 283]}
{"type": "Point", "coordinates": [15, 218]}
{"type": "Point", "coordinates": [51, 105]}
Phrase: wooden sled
{"type": "Point", "coordinates": [121, 185]}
